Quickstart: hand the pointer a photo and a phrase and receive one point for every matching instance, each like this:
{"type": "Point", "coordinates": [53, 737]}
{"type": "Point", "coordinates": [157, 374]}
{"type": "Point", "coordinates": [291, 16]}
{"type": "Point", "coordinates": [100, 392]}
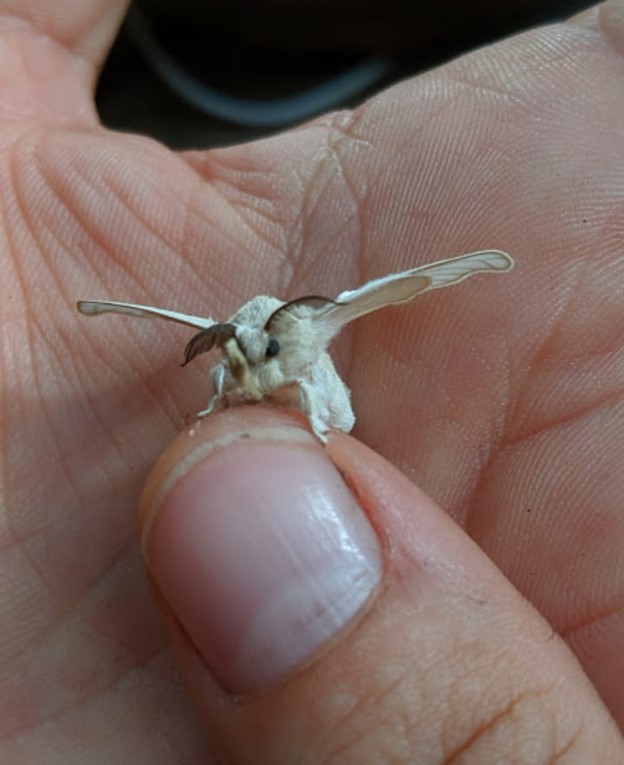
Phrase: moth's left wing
{"type": "Point", "coordinates": [404, 286]}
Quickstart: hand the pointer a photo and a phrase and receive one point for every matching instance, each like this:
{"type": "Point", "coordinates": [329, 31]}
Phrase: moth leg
{"type": "Point", "coordinates": [329, 398]}
{"type": "Point", "coordinates": [217, 377]}
{"type": "Point", "coordinates": [212, 405]}
{"type": "Point", "coordinates": [313, 406]}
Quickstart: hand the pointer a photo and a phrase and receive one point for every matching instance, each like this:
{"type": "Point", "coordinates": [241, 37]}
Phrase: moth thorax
{"type": "Point", "coordinates": [253, 343]}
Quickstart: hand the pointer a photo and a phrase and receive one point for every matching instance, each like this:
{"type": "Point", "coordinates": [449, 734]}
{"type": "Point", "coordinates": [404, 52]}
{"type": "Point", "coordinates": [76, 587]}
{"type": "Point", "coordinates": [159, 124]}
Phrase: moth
{"type": "Point", "coordinates": [277, 350]}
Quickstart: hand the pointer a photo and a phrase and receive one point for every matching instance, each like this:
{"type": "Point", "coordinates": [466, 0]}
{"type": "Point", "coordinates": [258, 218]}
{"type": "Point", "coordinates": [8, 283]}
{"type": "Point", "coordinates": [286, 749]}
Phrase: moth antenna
{"type": "Point", "coordinates": [204, 341]}
{"type": "Point", "coordinates": [312, 301]}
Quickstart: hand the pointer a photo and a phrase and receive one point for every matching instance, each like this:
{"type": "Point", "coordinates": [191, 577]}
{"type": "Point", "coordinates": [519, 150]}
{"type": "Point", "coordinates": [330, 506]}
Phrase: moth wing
{"type": "Point", "coordinates": [404, 286]}
{"type": "Point", "coordinates": [96, 307]}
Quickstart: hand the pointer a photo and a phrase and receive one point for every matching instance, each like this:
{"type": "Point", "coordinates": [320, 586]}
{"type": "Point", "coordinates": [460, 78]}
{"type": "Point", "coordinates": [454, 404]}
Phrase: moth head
{"type": "Point", "coordinates": [225, 337]}
{"type": "Point", "coordinates": [244, 339]}
{"type": "Point", "coordinates": [267, 331]}
{"type": "Point", "coordinates": [294, 332]}
{"type": "Point", "coordinates": [257, 345]}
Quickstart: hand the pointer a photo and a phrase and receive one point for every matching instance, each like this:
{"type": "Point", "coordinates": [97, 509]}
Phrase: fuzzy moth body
{"type": "Point", "coordinates": [270, 346]}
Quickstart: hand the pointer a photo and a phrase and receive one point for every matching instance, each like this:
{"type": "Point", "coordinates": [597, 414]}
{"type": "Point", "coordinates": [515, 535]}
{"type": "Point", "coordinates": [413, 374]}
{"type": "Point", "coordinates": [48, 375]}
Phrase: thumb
{"type": "Point", "coordinates": [324, 610]}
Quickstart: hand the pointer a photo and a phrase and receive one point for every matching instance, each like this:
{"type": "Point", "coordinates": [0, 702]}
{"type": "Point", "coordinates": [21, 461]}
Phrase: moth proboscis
{"type": "Point", "coordinates": [270, 345]}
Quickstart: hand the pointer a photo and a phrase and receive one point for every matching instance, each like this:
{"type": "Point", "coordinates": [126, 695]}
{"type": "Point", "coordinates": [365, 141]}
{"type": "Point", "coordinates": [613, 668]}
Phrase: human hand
{"type": "Point", "coordinates": [500, 398]}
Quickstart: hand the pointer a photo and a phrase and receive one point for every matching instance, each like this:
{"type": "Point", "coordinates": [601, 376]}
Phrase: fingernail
{"type": "Point", "coordinates": [263, 554]}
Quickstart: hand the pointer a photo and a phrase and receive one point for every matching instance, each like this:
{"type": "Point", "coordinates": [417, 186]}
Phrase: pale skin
{"type": "Point", "coordinates": [505, 406]}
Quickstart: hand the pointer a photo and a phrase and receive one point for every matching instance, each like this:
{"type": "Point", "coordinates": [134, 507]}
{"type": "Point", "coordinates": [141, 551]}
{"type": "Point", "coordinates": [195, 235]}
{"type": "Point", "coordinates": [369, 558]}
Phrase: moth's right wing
{"type": "Point", "coordinates": [96, 307]}
{"type": "Point", "coordinates": [328, 317]}
{"type": "Point", "coordinates": [403, 287]}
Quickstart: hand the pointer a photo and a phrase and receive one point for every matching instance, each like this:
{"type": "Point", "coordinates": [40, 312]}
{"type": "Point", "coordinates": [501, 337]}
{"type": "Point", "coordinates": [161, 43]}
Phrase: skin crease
{"type": "Point", "coordinates": [502, 399]}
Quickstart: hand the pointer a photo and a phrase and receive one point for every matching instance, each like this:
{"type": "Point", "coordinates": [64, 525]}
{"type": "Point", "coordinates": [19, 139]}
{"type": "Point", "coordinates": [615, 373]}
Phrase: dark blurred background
{"type": "Point", "coordinates": [195, 73]}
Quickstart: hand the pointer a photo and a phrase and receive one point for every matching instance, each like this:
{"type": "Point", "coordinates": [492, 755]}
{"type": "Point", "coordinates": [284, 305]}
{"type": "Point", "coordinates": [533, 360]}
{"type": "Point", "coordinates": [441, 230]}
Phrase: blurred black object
{"type": "Point", "coordinates": [182, 71]}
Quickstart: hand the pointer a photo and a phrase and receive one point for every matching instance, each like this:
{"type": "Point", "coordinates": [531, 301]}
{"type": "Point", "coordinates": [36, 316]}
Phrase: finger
{"type": "Point", "coordinates": [323, 609]}
{"type": "Point", "coordinates": [50, 56]}
{"type": "Point", "coordinates": [87, 28]}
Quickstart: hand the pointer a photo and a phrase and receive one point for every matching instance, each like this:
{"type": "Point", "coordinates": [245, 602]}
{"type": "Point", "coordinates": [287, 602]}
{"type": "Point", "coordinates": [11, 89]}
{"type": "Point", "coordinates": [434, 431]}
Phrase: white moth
{"type": "Point", "coordinates": [272, 349]}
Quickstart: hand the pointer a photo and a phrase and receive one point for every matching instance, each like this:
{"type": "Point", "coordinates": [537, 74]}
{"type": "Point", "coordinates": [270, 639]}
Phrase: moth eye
{"type": "Point", "coordinates": [273, 348]}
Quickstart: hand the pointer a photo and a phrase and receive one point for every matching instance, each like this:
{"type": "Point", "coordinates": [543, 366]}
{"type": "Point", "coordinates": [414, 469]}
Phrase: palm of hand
{"type": "Point", "coordinates": [492, 396]}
